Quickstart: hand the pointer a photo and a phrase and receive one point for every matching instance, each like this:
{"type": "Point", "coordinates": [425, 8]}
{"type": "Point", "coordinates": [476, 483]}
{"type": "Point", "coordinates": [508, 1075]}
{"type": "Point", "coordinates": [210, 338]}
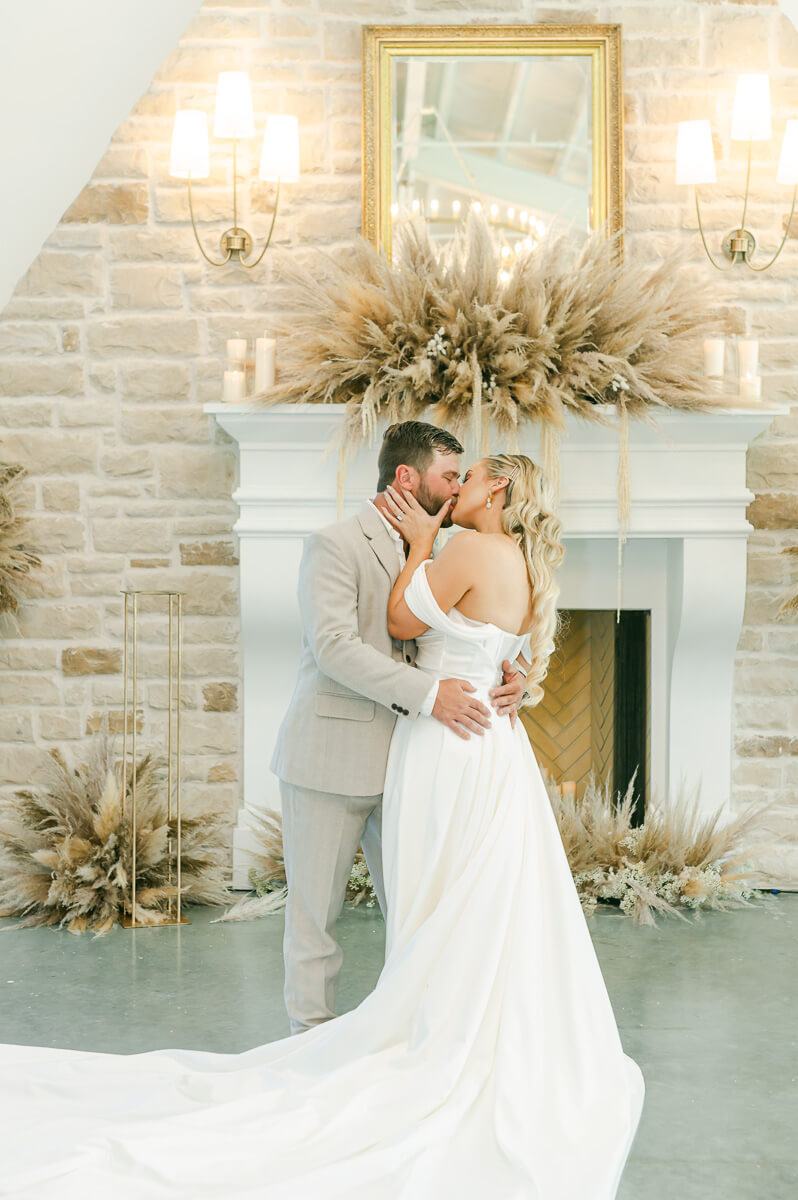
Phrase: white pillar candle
{"type": "Point", "coordinates": [751, 386]}
{"type": "Point", "coordinates": [236, 351]}
{"type": "Point", "coordinates": [234, 387]}
{"type": "Point", "coordinates": [264, 363]}
{"type": "Point", "coordinates": [747, 357]}
{"type": "Point", "coordinates": [714, 357]}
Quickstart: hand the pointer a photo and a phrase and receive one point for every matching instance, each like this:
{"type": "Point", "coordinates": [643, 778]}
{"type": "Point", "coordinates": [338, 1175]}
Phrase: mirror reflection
{"type": "Point", "coordinates": [510, 134]}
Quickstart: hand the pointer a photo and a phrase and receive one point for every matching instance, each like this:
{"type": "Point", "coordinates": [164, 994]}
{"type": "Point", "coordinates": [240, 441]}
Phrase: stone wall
{"type": "Point", "coordinates": [114, 338]}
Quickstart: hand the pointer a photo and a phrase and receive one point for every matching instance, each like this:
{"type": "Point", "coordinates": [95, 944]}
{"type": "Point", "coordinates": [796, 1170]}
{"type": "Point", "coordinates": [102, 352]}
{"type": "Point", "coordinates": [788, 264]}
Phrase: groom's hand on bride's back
{"type": "Point", "coordinates": [458, 709]}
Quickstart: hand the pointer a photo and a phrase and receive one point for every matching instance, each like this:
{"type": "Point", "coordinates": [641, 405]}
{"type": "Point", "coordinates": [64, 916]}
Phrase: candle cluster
{"type": "Point", "coordinates": [749, 380]}
{"type": "Point", "coordinates": [234, 388]}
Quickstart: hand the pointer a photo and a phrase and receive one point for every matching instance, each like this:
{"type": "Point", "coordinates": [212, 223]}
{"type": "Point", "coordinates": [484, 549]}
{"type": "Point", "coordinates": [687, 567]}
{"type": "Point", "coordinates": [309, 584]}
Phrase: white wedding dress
{"type": "Point", "coordinates": [486, 1064]}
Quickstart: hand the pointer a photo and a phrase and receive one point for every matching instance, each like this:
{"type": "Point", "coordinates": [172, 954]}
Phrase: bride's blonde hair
{"type": "Point", "coordinates": [529, 519]}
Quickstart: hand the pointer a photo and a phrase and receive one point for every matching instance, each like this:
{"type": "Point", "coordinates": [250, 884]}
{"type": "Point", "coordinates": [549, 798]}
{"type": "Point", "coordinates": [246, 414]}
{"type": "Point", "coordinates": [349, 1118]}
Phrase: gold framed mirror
{"type": "Point", "coordinates": [524, 121]}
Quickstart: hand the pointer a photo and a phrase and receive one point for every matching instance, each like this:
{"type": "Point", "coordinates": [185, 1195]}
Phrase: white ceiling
{"type": "Point", "coordinates": [70, 72]}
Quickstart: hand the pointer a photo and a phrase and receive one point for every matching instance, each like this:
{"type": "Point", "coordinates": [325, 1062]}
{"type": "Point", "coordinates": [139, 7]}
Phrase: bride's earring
{"type": "Point", "coordinates": [489, 502]}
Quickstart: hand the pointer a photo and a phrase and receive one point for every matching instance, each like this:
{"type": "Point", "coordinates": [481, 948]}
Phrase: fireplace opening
{"type": "Point", "coordinates": [595, 714]}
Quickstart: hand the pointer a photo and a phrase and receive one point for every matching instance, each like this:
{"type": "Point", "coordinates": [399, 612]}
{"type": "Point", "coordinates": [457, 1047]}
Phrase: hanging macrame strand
{"type": "Point", "coordinates": [624, 496]}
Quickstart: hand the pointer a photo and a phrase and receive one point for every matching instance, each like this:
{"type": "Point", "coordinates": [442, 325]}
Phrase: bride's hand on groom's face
{"type": "Point", "coordinates": [411, 520]}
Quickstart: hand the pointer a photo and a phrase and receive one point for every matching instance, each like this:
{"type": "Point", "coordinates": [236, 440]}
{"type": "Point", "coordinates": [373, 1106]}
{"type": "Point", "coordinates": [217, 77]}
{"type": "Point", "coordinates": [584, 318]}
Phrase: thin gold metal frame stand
{"type": "Point", "coordinates": [173, 753]}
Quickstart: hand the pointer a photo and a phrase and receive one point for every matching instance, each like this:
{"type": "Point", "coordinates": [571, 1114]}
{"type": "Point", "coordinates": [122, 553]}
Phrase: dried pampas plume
{"type": "Point", "coordinates": [790, 606]}
{"type": "Point", "coordinates": [66, 847]}
{"type": "Point", "coordinates": [16, 562]}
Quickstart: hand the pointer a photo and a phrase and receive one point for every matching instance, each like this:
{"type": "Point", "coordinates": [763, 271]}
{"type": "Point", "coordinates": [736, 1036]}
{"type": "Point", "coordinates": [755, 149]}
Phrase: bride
{"type": "Point", "coordinates": [487, 1061]}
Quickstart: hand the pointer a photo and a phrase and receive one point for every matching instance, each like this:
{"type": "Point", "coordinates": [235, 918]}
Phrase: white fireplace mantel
{"type": "Point", "coordinates": [685, 561]}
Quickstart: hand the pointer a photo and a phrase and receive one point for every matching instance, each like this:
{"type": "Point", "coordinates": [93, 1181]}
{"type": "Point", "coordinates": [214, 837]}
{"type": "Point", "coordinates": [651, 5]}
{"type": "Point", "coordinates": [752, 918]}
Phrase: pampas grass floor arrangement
{"type": "Point", "coordinates": [677, 860]}
{"type": "Point", "coordinates": [16, 562]}
{"type": "Point", "coordinates": [66, 849]}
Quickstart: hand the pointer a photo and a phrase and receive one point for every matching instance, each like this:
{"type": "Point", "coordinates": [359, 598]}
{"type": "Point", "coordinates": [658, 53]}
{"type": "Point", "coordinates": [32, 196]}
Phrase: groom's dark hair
{"type": "Point", "coordinates": [413, 443]}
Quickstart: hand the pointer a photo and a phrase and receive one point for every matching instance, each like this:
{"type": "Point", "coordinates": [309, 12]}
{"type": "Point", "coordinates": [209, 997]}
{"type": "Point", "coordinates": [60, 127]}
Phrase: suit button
{"type": "Point", "coordinates": [408, 658]}
{"type": "Point", "coordinates": [395, 707]}
{"type": "Point", "coordinates": [406, 711]}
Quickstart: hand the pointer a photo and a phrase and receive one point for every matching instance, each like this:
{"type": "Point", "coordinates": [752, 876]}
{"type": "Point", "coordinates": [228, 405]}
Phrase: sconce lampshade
{"type": "Point", "coordinates": [695, 158]}
{"type": "Point", "coordinates": [788, 162]}
{"type": "Point", "coordinates": [280, 155]}
{"type": "Point", "coordinates": [233, 117]}
{"type": "Point", "coordinates": [751, 113]}
{"type": "Point", "coordinates": [189, 154]}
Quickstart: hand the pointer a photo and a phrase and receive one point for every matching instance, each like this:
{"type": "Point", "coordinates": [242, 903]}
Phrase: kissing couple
{"type": "Point", "coordinates": [487, 1061]}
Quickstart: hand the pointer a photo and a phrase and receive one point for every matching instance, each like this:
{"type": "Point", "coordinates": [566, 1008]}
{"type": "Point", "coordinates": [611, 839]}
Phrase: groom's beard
{"type": "Point", "coordinates": [432, 503]}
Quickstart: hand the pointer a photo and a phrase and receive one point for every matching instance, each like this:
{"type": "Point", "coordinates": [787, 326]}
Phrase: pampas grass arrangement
{"type": "Point", "coordinates": [16, 562]}
{"type": "Point", "coordinates": [66, 847]}
{"type": "Point", "coordinates": [677, 859]}
{"type": "Point", "coordinates": [455, 334]}
{"type": "Point", "coordinates": [790, 606]}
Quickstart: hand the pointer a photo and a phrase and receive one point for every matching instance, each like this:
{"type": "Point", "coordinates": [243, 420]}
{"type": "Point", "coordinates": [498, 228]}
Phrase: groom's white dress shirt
{"type": "Point", "coordinates": [429, 703]}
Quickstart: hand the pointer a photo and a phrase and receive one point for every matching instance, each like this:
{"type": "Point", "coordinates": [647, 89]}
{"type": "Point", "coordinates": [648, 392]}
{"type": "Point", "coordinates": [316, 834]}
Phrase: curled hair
{"type": "Point", "coordinates": [529, 519]}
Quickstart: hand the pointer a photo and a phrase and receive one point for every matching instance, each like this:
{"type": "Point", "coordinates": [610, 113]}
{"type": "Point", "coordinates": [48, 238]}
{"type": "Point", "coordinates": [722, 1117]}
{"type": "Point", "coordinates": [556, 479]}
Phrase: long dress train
{"type": "Point", "coordinates": [486, 1062]}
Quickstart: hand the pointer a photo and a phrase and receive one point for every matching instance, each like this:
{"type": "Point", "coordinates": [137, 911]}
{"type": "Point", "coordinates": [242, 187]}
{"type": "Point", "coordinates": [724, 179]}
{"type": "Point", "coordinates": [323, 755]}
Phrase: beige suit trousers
{"type": "Point", "coordinates": [321, 834]}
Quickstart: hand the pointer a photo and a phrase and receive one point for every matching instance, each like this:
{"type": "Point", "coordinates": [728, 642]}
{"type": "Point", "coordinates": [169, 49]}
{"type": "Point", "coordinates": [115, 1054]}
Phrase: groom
{"type": "Point", "coordinates": [353, 681]}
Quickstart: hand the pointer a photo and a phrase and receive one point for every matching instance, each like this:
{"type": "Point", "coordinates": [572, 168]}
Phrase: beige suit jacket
{"type": "Point", "coordinates": [353, 678]}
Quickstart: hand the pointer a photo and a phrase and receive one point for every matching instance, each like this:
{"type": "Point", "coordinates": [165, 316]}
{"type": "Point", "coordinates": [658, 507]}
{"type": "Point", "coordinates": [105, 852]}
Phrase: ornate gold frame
{"type": "Point", "coordinates": [601, 42]}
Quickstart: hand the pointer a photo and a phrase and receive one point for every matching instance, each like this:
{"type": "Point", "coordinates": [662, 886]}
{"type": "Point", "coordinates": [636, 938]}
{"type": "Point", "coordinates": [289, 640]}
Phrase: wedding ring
{"type": "Point", "coordinates": [398, 516]}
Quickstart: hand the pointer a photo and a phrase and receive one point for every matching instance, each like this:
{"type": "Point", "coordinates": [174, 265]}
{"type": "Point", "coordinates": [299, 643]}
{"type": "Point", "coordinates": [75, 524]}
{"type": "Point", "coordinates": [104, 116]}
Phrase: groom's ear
{"type": "Point", "coordinates": [407, 477]}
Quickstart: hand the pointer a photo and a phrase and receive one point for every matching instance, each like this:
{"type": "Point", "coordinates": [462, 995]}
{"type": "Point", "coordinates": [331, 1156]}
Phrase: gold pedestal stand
{"type": "Point", "coordinates": [173, 753]}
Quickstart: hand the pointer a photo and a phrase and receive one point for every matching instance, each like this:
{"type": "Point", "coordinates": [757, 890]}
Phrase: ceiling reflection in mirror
{"type": "Point", "coordinates": [512, 135]}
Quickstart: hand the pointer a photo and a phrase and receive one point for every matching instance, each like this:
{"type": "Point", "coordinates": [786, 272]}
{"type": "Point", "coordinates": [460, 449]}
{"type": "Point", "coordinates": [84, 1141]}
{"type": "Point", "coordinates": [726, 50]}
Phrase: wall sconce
{"type": "Point", "coordinates": [695, 163]}
{"type": "Point", "coordinates": [190, 157]}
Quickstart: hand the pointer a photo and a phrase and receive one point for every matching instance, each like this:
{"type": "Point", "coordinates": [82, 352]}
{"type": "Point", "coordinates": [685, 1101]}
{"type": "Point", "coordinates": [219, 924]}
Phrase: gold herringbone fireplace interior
{"type": "Point", "coordinates": [572, 729]}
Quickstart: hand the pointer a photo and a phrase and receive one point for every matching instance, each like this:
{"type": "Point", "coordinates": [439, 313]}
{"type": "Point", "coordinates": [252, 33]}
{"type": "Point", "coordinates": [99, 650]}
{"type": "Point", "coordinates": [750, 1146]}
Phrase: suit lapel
{"type": "Point", "coordinates": [379, 540]}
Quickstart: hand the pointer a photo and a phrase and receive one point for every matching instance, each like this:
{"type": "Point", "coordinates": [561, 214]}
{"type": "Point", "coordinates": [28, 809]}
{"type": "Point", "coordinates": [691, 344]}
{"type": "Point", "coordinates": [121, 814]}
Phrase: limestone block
{"type": "Point", "coordinates": [42, 308]}
{"type": "Point", "coordinates": [783, 641]}
{"type": "Point", "coordinates": [87, 564]}
{"type": "Point", "coordinates": [16, 725]}
{"type": "Point", "coordinates": [755, 773]}
{"type": "Point", "coordinates": [146, 382]}
{"type": "Point", "coordinates": [27, 337]}
{"type": "Point", "coordinates": [81, 413]}
{"type": "Point", "coordinates": [148, 245]}
{"type": "Point", "coordinates": [203, 660]}
{"type": "Point", "coordinates": [150, 562]}
{"type": "Point", "coordinates": [61, 272]}
{"type": "Point", "coordinates": [197, 472]}
{"type": "Point", "coordinates": [146, 287]}
{"type": "Point", "coordinates": [307, 103]}
{"type": "Point", "coordinates": [126, 535]}
{"type": "Point", "coordinates": [53, 535]}
{"type": "Point", "coordinates": [158, 694]}
{"type": "Point", "coordinates": [211, 733]}
{"type": "Point", "coordinates": [30, 689]}
{"type": "Point", "coordinates": [765, 714]}
{"type": "Point", "coordinates": [220, 697]}
{"type": "Point", "coordinates": [26, 412]}
{"type": "Point", "coordinates": [222, 772]}
{"type": "Point", "coordinates": [667, 108]}
{"type": "Point", "coordinates": [57, 723]}
{"type": "Point", "coordinates": [775, 746]}
{"type": "Point", "coordinates": [218, 27]}
{"type": "Point", "coordinates": [762, 607]}
{"type": "Point", "coordinates": [17, 657]}
{"type": "Point", "coordinates": [20, 763]}
{"type": "Point", "coordinates": [196, 526]}
{"type": "Point", "coordinates": [216, 554]}
{"type": "Point", "coordinates": [767, 678]}
{"type": "Point", "coordinates": [91, 660]}
{"type": "Point", "coordinates": [661, 52]}
{"type": "Point", "coordinates": [774, 511]}
{"type": "Point", "coordinates": [210, 204]}
{"type": "Point", "coordinates": [116, 203]}
{"type": "Point", "coordinates": [320, 222]}
{"type": "Point", "coordinates": [198, 64]}
{"type": "Point", "coordinates": [739, 39]}
{"type": "Point", "coordinates": [178, 423]}
{"type": "Point", "coordinates": [126, 462]}
{"type": "Point", "coordinates": [26, 377]}
{"type": "Point", "coordinates": [96, 585]}
{"type": "Point", "coordinates": [773, 465]}
{"type": "Point", "coordinates": [128, 336]}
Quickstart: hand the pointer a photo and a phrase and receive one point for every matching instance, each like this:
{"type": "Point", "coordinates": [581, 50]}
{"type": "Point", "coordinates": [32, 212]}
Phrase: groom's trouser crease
{"type": "Point", "coordinates": [321, 834]}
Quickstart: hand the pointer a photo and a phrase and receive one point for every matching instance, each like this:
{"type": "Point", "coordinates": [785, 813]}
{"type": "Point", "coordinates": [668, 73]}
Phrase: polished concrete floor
{"type": "Point", "coordinates": [707, 1009]}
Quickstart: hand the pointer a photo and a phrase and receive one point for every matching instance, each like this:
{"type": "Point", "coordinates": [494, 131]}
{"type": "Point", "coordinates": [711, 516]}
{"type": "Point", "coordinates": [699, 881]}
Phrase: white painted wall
{"type": "Point", "coordinates": [69, 74]}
